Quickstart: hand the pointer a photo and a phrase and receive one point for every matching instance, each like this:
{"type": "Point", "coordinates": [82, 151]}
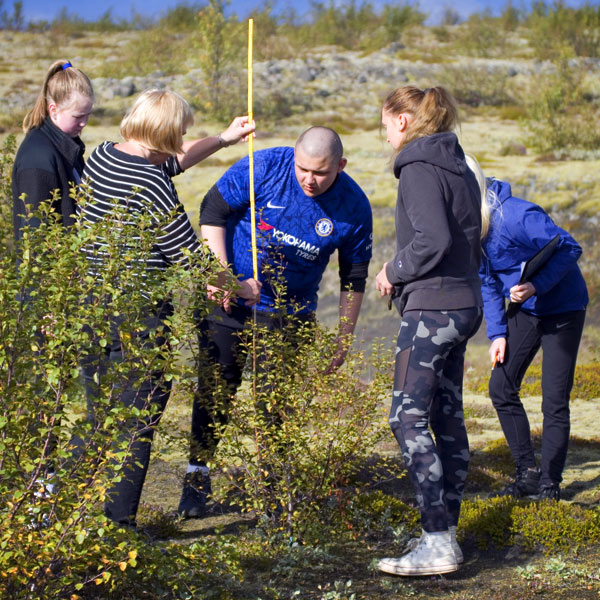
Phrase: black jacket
{"type": "Point", "coordinates": [438, 227]}
{"type": "Point", "coordinates": [47, 160]}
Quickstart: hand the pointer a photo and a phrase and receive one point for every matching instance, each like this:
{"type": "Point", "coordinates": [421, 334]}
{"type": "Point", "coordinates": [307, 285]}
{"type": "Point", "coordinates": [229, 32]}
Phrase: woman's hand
{"type": "Point", "coordinates": [239, 129]}
{"type": "Point", "coordinates": [497, 351]}
{"type": "Point", "coordinates": [520, 293]}
{"type": "Point", "coordinates": [382, 283]}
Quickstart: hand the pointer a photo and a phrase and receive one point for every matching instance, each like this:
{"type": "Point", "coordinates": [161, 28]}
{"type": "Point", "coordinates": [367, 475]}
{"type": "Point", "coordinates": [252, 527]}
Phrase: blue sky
{"type": "Point", "coordinates": [92, 9]}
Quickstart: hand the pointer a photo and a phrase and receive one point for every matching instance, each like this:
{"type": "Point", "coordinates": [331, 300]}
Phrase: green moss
{"type": "Point", "coordinates": [487, 521]}
{"type": "Point", "coordinates": [157, 522]}
{"type": "Point", "coordinates": [377, 511]}
{"type": "Point", "coordinates": [383, 228]}
{"type": "Point", "coordinates": [586, 384]}
{"type": "Point", "coordinates": [555, 526]}
{"type": "Point", "coordinates": [511, 112]}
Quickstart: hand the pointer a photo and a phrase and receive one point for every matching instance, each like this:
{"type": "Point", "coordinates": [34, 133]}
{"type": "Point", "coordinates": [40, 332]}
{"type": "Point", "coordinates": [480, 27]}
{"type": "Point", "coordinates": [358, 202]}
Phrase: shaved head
{"type": "Point", "coordinates": [318, 160]}
{"type": "Point", "coordinates": [321, 142]}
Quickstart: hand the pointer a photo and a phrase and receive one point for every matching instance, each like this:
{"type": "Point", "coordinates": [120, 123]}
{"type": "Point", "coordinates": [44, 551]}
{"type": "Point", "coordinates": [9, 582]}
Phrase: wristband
{"type": "Point", "coordinates": [222, 142]}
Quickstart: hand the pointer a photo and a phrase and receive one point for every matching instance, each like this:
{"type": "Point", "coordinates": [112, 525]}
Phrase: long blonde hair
{"type": "Point", "coordinates": [433, 110]}
{"type": "Point", "coordinates": [486, 208]}
{"type": "Point", "coordinates": [61, 81]}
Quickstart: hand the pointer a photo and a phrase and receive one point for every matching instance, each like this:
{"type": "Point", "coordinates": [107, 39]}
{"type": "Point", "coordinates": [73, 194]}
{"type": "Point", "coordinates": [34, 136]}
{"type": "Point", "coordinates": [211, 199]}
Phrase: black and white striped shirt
{"type": "Point", "coordinates": [143, 188]}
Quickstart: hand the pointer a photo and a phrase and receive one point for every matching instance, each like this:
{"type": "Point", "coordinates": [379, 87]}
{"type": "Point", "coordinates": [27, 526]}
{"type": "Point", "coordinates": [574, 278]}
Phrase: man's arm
{"type": "Point", "coordinates": [350, 303]}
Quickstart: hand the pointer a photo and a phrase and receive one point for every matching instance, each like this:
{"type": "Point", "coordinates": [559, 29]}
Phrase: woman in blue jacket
{"type": "Point", "coordinates": [551, 316]}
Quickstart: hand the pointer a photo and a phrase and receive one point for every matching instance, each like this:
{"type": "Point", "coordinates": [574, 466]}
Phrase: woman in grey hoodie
{"type": "Point", "coordinates": [434, 281]}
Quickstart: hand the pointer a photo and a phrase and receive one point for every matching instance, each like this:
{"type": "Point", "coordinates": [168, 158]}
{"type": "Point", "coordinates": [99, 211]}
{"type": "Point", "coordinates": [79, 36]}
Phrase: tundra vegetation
{"type": "Point", "coordinates": [309, 486]}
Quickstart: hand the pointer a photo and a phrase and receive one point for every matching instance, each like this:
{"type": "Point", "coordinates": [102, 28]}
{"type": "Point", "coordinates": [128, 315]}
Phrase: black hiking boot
{"type": "Point", "coordinates": [194, 496]}
{"type": "Point", "coordinates": [550, 491]}
{"type": "Point", "coordinates": [525, 485]}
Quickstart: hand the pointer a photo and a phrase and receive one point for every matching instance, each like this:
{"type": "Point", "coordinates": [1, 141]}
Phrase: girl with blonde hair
{"type": "Point", "coordinates": [50, 158]}
{"type": "Point", "coordinates": [433, 279]}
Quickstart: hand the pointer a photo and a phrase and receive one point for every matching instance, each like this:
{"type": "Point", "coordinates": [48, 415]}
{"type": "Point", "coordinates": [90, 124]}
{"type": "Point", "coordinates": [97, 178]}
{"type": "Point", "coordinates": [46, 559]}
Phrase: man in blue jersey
{"type": "Point", "coordinates": [306, 208]}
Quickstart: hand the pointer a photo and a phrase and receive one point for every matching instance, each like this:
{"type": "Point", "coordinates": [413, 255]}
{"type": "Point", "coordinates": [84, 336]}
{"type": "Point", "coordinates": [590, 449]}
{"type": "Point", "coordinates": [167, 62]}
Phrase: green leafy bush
{"type": "Point", "coordinates": [291, 449]}
{"type": "Point", "coordinates": [560, 116]}
{"type": "Point", "coordinates": [56, 464]}
{"type": "Point", "coordinates": [555, 27]}
{"type": "Point", "coordinates": [477, 86]}
{"type": "Point", "coordinates": [481, 36]}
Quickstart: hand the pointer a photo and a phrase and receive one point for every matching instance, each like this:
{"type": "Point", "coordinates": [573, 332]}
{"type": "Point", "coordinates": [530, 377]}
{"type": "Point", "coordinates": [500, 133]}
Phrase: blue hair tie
{"type": "Point", "coordinates": [66, 66]}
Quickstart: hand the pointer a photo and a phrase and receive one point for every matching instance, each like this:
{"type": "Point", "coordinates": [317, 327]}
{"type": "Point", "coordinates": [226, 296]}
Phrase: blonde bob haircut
{"type": "Point", "coordinates": [157, 121]}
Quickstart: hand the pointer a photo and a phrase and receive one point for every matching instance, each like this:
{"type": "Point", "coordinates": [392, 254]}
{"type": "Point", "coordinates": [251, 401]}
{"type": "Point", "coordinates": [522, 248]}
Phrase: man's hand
{"type": "Point", "coordinates": [520, 293]}
{"type": "Point", "coordinates": [382, 283]}
{"type": "Point", "coordinates": [339, 356]}
{"type": "Point", "coordinates": [249, 290]}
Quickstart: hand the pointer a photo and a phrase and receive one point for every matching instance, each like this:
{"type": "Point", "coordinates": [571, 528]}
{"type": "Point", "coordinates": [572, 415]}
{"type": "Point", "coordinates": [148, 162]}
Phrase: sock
{"type": "Point", "coordinates": [195, 468]}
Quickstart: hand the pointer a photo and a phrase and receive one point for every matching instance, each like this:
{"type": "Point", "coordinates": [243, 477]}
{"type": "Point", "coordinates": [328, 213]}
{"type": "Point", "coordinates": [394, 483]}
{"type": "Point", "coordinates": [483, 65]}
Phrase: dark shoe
{"type": "Point", "coordinates": [550, 491]}
{"type": "Point", "coordinates": [195, 493]}
{"type": "Point", "coordinates": [525, 485]}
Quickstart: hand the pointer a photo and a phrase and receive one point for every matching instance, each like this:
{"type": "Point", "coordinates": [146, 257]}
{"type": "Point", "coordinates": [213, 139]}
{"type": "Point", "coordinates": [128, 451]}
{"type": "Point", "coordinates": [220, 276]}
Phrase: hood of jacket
{"type": "Point", "coordinates": [439, 149]}
{"type": "Point", "coordinates": [500, 189]}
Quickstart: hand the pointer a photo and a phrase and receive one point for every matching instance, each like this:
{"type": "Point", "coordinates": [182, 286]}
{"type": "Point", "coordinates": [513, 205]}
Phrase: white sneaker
{"type": "Point", "coordinates": [460, 559]}
{"type": "Point", "coordinates": [433, 555]}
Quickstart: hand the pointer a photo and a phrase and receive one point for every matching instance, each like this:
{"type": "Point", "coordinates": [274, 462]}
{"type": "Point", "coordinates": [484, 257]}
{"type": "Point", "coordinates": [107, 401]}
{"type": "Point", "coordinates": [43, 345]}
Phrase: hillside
{"type": "Point", "coordinates": [343, 88]}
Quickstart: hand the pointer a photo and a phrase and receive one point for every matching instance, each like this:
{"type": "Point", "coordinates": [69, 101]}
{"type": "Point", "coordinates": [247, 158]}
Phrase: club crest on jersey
{"type": "Point", "coordinates": [324, 227]}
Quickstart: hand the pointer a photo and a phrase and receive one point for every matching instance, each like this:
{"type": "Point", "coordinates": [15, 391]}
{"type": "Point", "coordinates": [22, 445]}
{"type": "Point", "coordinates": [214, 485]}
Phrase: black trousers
{"type": "Point", "coordinates": [224, 339]}
{"type": "Point", "coordinates": [133, 389]}
{"type": "Point", "coordinates": [559, 337]}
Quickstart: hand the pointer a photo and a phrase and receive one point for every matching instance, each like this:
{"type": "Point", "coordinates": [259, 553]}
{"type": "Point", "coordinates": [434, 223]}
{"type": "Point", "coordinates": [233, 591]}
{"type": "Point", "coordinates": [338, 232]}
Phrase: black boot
{"type": "Point", "coordinates": [194, 496]}
{"type": "Point", "coordinates": [525, 485]}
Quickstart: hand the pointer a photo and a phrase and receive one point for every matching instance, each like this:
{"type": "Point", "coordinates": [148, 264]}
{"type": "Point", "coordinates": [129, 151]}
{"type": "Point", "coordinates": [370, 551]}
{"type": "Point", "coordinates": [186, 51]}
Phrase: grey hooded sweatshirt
{"type": "Point", "coordinates": [438, 227]}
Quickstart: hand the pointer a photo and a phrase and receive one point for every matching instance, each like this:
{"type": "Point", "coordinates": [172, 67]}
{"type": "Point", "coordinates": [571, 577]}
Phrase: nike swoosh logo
{"type": "Point", "coordinates": [269, 205]}
{"type": "Point", "coordinates": [561, 325]}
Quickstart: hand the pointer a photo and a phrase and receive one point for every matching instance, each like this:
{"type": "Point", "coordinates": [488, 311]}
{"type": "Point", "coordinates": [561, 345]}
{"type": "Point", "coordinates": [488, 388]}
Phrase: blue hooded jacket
{"type": "Point", "coordinates": [518, 229]}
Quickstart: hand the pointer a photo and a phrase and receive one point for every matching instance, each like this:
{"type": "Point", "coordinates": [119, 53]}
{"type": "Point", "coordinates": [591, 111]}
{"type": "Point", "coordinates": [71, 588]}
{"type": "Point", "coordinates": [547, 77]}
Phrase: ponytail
{"type": "Point", "coordinates": [61, 81]}
{"type": "Point", "coordinates": [433, 110]}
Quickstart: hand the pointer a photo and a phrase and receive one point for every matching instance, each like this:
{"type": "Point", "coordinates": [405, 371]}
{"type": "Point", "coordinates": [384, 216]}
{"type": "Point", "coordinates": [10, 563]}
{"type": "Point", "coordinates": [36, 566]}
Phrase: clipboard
{"type": "Point", "coordinates": [532, 266]}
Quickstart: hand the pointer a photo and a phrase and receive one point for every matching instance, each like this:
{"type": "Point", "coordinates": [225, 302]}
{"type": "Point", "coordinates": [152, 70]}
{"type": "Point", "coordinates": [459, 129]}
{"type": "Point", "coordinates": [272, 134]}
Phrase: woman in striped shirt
{"type": "Point", "coordinates": [133, 178]}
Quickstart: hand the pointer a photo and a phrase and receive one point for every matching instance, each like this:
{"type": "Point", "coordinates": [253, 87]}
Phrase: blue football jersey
{"type": "Point", "coordinates": [296, 234]}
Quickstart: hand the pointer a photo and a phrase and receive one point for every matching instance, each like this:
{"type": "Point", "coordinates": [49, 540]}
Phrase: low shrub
{"type": "Point", "coordinates": [559, 115]}
{"type": "Point", "coordinates": [586, 383]}
{"type": "Point", "coordinates": [292, 447]}
{"type": "Point", "coordinates": [555, 526]}
{"type": "Point", "coordinates": [487, 521]}
{"type": "Point", "coordinates": [477, 86]}
{"type": "Point", "coordinates": [377, 512]}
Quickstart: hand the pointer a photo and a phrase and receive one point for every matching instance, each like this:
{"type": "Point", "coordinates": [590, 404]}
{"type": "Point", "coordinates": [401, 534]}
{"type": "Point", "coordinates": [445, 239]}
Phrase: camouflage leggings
{"type": "Point", "coordinates": [428, 392]}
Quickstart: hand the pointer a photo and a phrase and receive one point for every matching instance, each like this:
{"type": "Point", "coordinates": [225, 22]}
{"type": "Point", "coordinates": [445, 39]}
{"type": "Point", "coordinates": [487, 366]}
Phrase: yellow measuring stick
{"type": "Point", "coordinates": [251, 153]}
